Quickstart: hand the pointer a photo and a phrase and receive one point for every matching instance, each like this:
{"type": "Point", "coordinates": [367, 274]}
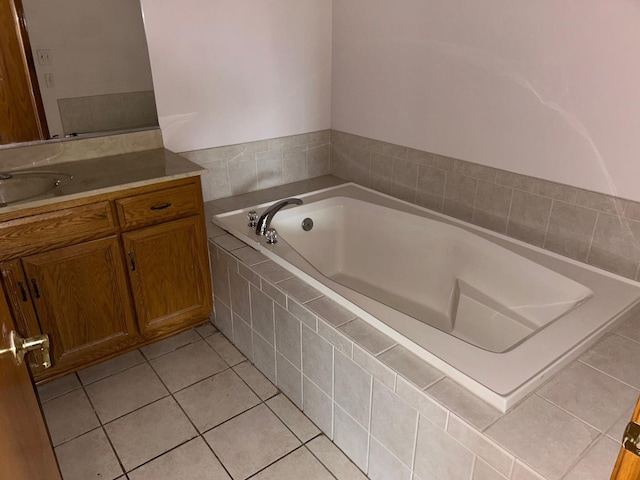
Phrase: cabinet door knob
{"type": "Point", "coordinates": [132, 260]}
{"type": "Point", "coordinates": [36, 292]}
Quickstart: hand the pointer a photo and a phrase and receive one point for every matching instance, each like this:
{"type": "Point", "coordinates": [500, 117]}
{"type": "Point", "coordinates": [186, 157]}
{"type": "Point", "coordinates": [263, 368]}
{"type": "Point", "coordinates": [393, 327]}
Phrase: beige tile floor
{"type": "Point", "coordinates": [188, 407]}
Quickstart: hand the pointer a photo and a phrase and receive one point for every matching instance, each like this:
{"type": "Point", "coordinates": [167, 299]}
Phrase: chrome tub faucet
{"type": "Point", "coordinates": [265, 219]}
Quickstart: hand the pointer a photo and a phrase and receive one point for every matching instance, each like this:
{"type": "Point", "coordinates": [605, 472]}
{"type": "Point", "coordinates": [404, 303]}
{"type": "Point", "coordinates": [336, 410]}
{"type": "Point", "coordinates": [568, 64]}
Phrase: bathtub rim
{"type": "Point", "coordinates": [501, 401]}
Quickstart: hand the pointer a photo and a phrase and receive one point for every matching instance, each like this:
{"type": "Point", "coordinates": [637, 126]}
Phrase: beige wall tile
{"type": "Point", "coordinates": [491, 209]}
{"type": "Point", "coordinates": [570, 230]}
{"type": "Point", "coordinates": [383, 465]}
{"type": "Point", "coordinates": [317, 360]}
{"type": "Point", "coordinates": [428, 408]}
{"type": "Point", "coordinates": [288, 336]}
{"type": "Point", "coordinates": [471, 438]}
{"type": "Point", "coordinates": [410, 366]}
{"type": "Point", "coordinates": [368, 337]}
{"type": "Point", "coordinates": [375, 367]}
{"type": "Point", "coordinates": [529, 217]}
{"type": "Point", "coordinates": [289, 379]}
{"type": "Point", "coordinates": [463, 403]}
{"type": "Point", "coordinates": [616, 356]}
{"type": "Point", "coordinates": [393, 423]}
{"type": "Point", "coordinates": [555, 191]}
{"type": "Point", "coordinates": [601, 400]}
{"type": "Point", "coordinates": [352, 389]}
{"type": "Point", "coordinates": [438, 455]}
{"type": "Point", "coordinates": [350, 437]}
{"type": "Point", "coordinates": [318, 406]}
{"type": "Point", "coordinates": [262, 311]}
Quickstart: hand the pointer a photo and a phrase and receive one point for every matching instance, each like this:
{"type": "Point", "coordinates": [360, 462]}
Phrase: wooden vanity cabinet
{"type": "Point", "coordinates": [81, 299]}
{"type": "Point", "coordinates": [141, 274]}
{"type": "Point", "coordinates": [168, 265]}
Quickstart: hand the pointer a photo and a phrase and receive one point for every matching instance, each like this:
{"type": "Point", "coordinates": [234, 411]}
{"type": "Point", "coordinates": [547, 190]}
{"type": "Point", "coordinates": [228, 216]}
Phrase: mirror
{"type": "Point", "coordinates": [91, 65]}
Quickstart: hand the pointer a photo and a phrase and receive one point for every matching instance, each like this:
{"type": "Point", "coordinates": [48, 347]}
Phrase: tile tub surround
{"type": "Point", "coordinates": [246, 167]}
{"type": "Point", "coordinates": [394, 414]}
{"type": "Point", "coordinates": [598, 229]}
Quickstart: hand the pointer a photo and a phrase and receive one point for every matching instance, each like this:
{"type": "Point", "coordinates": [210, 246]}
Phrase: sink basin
{"type": "Point", "coordinates": [18, 186]}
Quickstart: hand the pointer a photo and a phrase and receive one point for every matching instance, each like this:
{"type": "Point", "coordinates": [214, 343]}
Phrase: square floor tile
{"type": "Point", "coordinates": [299, 464]}
{"type": "Point", "coordinates": [170, 344]}
{"type": "Point", "coordinates": [109, 367]}
{"type": "Point", "coordinates": [336, 461]}
{"type": "Point", "coordinates": [69, 416]}
{"type": "Point", "coordinates": [88, 456]}
{"type": "Point", "coordinates": [251, 441]}
{"type": "Point", "coordinates": [225, 349]}
{"type": "Point", "coordinates": [256, 380]}
{"type": "Point", "coordinates": [206, 329]}
{"type": "Point", "coordinates": [149, 432]}
{"type": "Point", "coordinates": [126, 391]}
{"type": "Point", "coordinates": [58, 387]}
{"type": "Point", "coordinates": [212, 401]}
{"type": "Point", "coordinates": [293, 418]}
{"type": "Point", "coordinates": [191, 461]}
{"type": "Point", "coordinates": [188, 365]}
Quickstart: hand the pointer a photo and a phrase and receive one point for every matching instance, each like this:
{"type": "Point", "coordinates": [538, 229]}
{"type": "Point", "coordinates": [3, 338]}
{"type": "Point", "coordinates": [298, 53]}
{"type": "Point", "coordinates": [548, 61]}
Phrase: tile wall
{"type": "Point", "coordinates": [246, 167]}
{"type": "Point", "coordinates": [597, 229]}
{"type": "Point", "coordinates": [395, 415]}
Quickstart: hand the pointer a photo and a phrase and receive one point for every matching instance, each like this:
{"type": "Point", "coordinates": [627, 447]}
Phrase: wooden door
{"type": "Point", "coordinates": [22, 115]}
{"type": "Point", "coordinates": [168, 268]}
{"type": "Point", "coordinates": [628, 464]}
{"type": "Point", "coordinates": [82, 300]}
{"type": "Point", "coordinates": [25, 448]}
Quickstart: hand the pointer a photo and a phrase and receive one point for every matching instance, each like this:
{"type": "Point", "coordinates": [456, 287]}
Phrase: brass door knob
{"type": "Point", "coordinates": [20, 346]}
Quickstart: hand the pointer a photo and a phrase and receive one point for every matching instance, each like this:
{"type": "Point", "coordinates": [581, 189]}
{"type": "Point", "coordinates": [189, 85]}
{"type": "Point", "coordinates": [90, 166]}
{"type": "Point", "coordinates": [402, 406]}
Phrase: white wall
{"type": "Point", "coordinates": [548, 88]}
{"type": "Point", "coordinates": [232, 71]}
{"type": "Point", "coordinates": [97, 47]}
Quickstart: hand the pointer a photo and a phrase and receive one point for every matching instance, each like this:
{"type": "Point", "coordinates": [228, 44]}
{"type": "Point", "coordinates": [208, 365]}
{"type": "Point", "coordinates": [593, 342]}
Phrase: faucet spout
{"type": "Point", "coordinates": [265, 219]}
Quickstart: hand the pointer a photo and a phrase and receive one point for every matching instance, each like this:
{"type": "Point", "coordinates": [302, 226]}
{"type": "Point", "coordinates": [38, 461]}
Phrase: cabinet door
{"type": "Point", "coordinates": [168, 267]}
{"type": "Point", "coordinates": [19, 299]}
{"type": "Point", "coordinates": [82, 301]}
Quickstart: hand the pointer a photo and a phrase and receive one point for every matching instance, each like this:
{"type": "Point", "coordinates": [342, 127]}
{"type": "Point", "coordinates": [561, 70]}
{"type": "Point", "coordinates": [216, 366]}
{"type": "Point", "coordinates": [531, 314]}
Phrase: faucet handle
{"type": "Point", "coordinates": [252, 216]}
{"type": "Point", "coordinates": [272, 236]}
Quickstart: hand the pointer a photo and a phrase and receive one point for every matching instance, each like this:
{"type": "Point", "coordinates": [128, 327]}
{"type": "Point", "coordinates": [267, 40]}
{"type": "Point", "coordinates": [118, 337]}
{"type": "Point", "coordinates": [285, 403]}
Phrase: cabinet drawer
{"type": "Point", "coordinates": [155, 207]}
{"type": "Point", "coordinates": [45, 231]}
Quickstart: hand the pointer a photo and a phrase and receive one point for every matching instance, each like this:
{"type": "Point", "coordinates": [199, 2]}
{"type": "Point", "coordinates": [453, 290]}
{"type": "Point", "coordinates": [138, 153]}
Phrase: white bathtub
{"type": "Point", "coordinates": [496, 315]}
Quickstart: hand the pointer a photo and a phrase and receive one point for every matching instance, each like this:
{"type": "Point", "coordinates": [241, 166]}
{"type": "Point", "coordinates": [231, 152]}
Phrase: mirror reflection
{"type": "Point", "coordinates": [85, 66]}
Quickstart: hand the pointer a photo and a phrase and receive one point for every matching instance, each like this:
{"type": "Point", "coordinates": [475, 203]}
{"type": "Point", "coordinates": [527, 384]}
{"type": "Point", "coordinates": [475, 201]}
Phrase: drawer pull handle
{"type": "Point", "coordinates": [23, 292]}
{"type": "Point", "coordinates": [161, 207]}
{"type": "Point", "coordinates": [36, 292]}
{"type": "Point", "coordinates": [133, 262]}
